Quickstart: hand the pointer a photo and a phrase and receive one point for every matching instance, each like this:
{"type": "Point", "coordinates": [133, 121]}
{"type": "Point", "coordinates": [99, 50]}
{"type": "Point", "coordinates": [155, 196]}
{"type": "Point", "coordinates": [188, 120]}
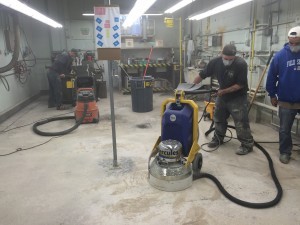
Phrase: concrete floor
{"type": "Point", "coordinates": [71, 181]}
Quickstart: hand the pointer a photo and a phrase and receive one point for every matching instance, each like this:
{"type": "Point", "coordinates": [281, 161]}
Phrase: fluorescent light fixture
{"type": "Point", "coordinates": [218, 9]}
{"type": "Point", "coordinates": [179, 5]}
{"type": "Point", "coordinates": [153, 14]}
{"type": "Point", "coordinates": [23, 8]}
{"type": "Point", "coordinates": [139, 8]}
{"type": "Point", "coordinates": [88, 14]}
{"type": "Point", "coordinates": [147, 14]}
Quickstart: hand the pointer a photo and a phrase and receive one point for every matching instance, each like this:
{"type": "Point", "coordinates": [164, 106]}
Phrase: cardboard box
{"type": "Point", "coordinates": [109, 53]}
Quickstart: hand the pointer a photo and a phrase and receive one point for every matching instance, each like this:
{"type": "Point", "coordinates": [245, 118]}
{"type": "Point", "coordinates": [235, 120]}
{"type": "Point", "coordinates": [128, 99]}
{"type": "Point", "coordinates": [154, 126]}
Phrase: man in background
{"type": "Point", "coordinates": [60, 67]}
{"type": "Point", "coordinates": [231, 73]}
{"type": "Point", "coordinates": [283, 87]}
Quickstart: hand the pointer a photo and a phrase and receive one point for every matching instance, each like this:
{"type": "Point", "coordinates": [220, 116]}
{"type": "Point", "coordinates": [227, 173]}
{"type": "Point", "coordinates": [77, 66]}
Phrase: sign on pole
{"type": "Point", "coordinates": [108, 33]}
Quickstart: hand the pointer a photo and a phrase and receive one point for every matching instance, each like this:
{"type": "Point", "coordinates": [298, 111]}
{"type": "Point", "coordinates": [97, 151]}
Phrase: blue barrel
{"type": "Point", "coordinates": [177, 124]}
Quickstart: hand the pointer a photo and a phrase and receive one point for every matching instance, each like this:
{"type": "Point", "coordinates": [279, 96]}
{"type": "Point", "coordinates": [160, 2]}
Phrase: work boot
{"type": "Point", "coordinates": [284, 158]}
{"type": "Point", "coordinates": [214, 143]}
{"type": "Point", "coordinates": [243, 150]}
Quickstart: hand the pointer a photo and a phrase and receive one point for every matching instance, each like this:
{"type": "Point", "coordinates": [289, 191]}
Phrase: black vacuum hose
{"type": "Point", "coordinates": [261, 205]}
{"type": "Point", "coordinates": [59, 133]}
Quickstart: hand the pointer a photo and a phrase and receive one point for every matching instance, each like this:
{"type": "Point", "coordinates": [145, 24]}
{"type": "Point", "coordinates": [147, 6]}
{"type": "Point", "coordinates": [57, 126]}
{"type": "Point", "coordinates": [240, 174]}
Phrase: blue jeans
{"type": "Point", "coordinates": [286, 117]}
{"type": "Point", "coordinates": [238, 109]}
{"type": "Point", "coordinates": [55, 89]}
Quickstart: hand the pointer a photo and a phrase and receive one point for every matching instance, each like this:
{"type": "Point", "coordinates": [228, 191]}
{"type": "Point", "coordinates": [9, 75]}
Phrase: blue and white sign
{"type": "Point", "coordinates": [107, 27]}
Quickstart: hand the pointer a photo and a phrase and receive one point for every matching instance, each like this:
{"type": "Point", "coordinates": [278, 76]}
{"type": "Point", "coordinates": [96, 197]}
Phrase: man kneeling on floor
{"type": "Point", "coordinates": [231, 73]}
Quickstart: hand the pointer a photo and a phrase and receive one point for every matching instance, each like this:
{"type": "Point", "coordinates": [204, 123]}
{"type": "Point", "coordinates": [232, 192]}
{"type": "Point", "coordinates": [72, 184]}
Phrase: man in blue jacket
{"type": "Point", "coordinates": [283, 87]}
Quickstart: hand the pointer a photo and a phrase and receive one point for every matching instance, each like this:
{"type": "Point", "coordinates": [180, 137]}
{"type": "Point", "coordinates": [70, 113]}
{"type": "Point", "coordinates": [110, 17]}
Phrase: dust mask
{"type": "Point", "coordinates": [227, 62]}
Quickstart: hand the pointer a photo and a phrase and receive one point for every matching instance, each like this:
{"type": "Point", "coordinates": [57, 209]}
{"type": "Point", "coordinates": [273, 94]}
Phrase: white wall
{"type": "Point", "coordinates": [38, 39]}
{"type": "Point", "coordinates": [234, 26]}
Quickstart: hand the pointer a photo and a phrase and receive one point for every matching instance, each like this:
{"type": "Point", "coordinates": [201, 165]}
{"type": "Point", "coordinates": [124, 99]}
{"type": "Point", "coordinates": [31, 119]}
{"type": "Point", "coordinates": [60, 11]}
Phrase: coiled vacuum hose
{"type": "Point", "coordinates": [59, 133]}
{"type": "Point", "coordinates": [241, 202]}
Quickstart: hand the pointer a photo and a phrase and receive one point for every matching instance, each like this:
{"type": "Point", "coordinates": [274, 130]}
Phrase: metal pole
{"type": "Point", "coordinates": [112, 112]}
{"type": "Point", "coordinates": [180, 51]}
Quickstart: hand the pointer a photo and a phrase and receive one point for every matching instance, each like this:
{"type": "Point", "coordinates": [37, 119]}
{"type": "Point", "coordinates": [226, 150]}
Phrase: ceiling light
{"type": "Point", "coordinates": [88, 14]}
{"type": "Point", "coordinates": [139, 8]}
{"type": "Point", "coordinates": [147, 14]}
{"type": "Point", "coordinates": [179, 5]}
{"type": "Point", "coordinates": [221, 8]}
{"type": "Point", "coordinates": [23, 8]}
{"type": "Point", "coordinates": [153, 14]}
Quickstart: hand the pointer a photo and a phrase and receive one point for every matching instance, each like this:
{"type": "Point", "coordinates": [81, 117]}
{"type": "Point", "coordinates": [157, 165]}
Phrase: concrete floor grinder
{"type": "Point", "coordinates": [175, 161]}
{"type": "Point", "coordinates": [170, 170]}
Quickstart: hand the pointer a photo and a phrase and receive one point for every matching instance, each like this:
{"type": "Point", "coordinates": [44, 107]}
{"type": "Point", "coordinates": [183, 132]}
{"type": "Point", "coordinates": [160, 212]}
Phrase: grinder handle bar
{"type": "Point", "coordinates": [191, 88]}
{"type": "Point", "coordinates": [202, 91]}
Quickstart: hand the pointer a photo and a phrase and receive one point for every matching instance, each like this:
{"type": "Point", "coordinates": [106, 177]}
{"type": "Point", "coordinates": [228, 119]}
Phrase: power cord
{"type": "Point", "coordinates": [24, 149]}
{"type": "Point", "coordinates": [5, 129]}
{"type": "Point", "coordinates": [27, 111]}
{"type": "Point", "coordinates": [219, 141]}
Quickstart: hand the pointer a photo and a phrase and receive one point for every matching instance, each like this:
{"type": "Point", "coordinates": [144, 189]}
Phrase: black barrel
{"type": "Point", "coordinates": [142, 93]}
{"type": "Point", "coordinates": [68, 90]}
{"type": "Point", "coordinates": [101, 89]}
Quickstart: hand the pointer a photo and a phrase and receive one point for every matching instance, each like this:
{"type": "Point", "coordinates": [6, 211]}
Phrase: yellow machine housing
{"type": "Point", "coordinates": [210, 108]}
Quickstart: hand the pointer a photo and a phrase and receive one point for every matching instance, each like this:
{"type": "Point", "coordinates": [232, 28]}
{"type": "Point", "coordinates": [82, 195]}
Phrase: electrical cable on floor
{"type": "Point", "coordinates": [5, 129]}
{"type": "Point", "coordinates": [20, 116]}
{"type": "Point", "coordinates": [216, 148]}
{"type": "Point", "coordinates": [24, 149]}
{"type": "Point", "coordinates": [204, 110]}
{"type": "Point", "coordinates": [55, 134]}
{"type": "Point", "coordinates": [231, 137]}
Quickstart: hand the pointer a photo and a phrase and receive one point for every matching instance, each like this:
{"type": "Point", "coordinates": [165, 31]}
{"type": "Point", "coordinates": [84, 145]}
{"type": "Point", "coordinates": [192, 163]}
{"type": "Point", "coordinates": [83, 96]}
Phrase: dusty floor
{"type": "Point", "coordinates": [70, 180]}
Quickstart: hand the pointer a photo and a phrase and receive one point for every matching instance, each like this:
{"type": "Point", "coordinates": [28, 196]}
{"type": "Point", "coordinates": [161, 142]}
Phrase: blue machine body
{"type": "Point", "coordinates": [177, 124]}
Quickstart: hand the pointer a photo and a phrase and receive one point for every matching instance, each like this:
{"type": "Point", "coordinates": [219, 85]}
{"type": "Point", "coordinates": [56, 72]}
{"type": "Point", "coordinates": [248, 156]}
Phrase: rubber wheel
{"type": "Point", "coordinates": [197, 163]}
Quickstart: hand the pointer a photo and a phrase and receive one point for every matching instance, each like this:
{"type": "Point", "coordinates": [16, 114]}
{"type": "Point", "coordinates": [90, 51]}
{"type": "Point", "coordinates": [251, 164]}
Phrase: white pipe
{"type": "Point", "coordinates": [265, 106]}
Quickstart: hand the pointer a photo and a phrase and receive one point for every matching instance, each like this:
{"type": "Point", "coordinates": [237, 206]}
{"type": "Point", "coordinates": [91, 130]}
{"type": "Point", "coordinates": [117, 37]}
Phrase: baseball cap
{"type": "Point", "coordinates": [294, 32]}
{"type": "Point", "coordinates": [229, 50]}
